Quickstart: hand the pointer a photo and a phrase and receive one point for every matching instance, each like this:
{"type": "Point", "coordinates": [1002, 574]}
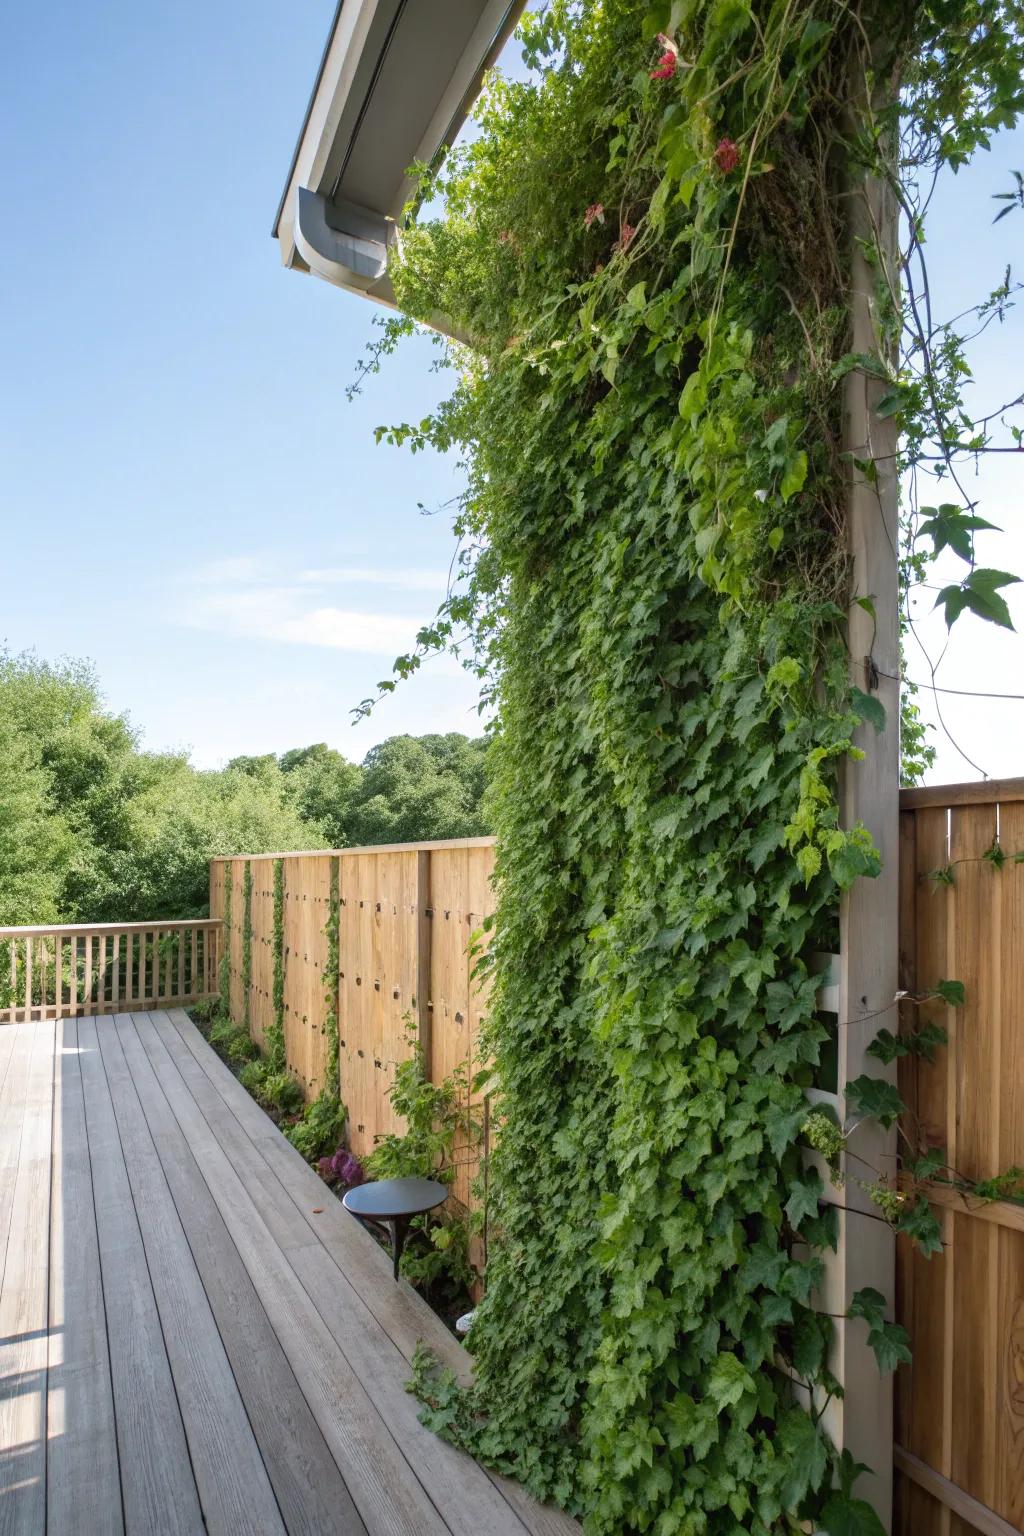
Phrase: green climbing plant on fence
{"type": "Point", "coordinates": [246, 943]}
{"type": "Point", "coordinates": [224, 979]}
{"type": "Point", "coordinates": [648, 246]}
{"type": "Point", "coordinates": [322, 1127]}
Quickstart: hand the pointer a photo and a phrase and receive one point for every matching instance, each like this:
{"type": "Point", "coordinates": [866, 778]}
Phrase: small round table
{"type": "Point", "coordinates": [392, 1203]}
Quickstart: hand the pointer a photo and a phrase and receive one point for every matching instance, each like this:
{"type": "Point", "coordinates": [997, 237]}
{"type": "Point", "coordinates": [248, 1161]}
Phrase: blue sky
{"type": "Point", "coordinates": [186, 496]}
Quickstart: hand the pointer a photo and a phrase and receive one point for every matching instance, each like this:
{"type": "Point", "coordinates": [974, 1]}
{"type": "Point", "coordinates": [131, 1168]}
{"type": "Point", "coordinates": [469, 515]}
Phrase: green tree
{"type": "Point", "coordinates": [322, 784]}
{"type": "Point", "coordinates": [417, 788]}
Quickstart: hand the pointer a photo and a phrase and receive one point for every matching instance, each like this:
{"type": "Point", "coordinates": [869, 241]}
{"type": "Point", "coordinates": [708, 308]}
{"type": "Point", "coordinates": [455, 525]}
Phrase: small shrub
{"type": "Point", "coordinates": [231, 1042]}
{"type": "Point", "coordinates": [275, 1091]}
{"type": "Point", "coordinates": [439, 1125]}
{"type": "Point", "coordinates": [320, 1129]}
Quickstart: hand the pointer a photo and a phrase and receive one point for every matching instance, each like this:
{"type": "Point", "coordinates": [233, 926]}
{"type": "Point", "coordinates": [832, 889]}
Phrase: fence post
{"type": "Point", "coordinates": [869, 794]}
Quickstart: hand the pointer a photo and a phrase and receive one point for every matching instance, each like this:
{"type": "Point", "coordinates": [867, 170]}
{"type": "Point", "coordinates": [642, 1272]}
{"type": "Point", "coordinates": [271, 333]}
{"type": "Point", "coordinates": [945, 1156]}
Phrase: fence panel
{"type": "Point", "coordinates": [405, 917]}
{"type": "Point", "coordinates": [960, 1404]}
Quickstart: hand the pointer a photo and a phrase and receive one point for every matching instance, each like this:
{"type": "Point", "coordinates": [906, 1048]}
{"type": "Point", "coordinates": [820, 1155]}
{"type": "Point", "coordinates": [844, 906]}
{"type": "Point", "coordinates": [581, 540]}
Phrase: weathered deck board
{"type": "Point", "coordinates": [404, 1317]}
{"type": "Point", "coordinates": [157, 1482]}
{"type": "Point", "coordinates": [83, 1489]}
{"type": "Point", "coordinates": [304, 1475]}
{"type": "Point", "coordinates": [363, 1343]}
{"type": "Point", "coordinates": [194, 1336]}
{"type": "Point", "coordinates": [234, 1490]}
{"type": "Point", "coordinates": [23, 1299]}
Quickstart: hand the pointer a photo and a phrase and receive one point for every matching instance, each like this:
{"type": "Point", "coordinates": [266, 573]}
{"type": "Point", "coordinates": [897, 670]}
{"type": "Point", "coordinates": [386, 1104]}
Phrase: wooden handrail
{"type": "Point", "coordinates": [59, 970]}
{"type": "Point", "coordinates": [163, 924]}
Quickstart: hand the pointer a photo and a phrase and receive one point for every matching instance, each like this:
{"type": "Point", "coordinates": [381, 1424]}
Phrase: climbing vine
{"type": "Point", "coordinates": [224, 978]}
{"type": "Point", "coordinates": [246, 942]}
{"type": "Point", "coordinates": [319, 1134]}
{"type": "Point", "coordinates": [649, 247]}
{"type": "Point", "coordinates": [273, 1043]}
{"type": "Point", "coordinates": [332, 931]}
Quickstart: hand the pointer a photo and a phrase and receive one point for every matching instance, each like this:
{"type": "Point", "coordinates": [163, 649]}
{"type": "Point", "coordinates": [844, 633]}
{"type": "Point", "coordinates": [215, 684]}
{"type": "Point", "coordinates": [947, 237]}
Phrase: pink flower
{"type": "Point", "coordinates": [726, 156]}
{"type": "Point", "coordinates": [625, 239]}
{"type": "Point", "coordinates": [666, 66]}
{"type": "Point", "coordinates": [595, 213]}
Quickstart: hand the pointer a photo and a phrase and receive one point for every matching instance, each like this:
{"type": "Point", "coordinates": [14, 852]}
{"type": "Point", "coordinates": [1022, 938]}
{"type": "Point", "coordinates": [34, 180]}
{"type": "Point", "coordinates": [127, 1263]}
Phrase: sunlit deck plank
{"type": "Point", "coordinates": [234, 1490]}
{"type": "Point", "coordinates": [195, 1338]}
{"type": "Point", "coordinates": [387, 1495]}
{"type": "Point", "coordinates": [83, 1488]}
{"type": "Point", "coordinates": [309, 1488]}
{"type": "Point", "coordinates": [460, 1489]}
{"type": "Point", "coordinates": [158, 1484]}
{"type": "Point", "coordinates": [402, 1315]}
{"type": "Point", "coordinates": [23, 1303]}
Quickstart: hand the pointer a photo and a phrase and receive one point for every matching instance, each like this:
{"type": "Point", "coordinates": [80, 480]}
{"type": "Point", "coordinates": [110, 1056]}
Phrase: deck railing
{"type": "Point", "coordinates": [88, 968]}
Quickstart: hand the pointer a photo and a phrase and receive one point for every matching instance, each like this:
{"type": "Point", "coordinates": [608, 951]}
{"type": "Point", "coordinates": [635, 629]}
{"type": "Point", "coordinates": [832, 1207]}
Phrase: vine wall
{"type": "Point", "coordinates": [649, 247]}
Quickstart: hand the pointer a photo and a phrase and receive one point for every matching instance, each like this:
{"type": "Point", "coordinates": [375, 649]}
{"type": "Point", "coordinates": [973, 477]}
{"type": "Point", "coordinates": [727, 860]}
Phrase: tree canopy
{"type": "Point", "coordinates": [94, 828]}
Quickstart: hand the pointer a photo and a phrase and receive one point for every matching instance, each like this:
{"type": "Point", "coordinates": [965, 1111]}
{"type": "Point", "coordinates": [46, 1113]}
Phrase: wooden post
{"type": "Point", "coordinates": [868, 952]}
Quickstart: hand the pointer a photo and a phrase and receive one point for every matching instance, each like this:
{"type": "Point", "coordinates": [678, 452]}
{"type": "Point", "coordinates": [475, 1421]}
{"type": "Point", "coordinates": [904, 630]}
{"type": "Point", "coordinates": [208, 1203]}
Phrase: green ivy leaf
{"type": "Point", "coordinates": [794, 477]}
{"type": "Point", "coordinates": [886, 1046]}
{"type": "Point", "coordinates": [978, 594]}
{"type": "Point", "coordinates": [875, 1099]}
{"type": "Point", "coordinates": [950, 527]}
{"type": "Point", "coordinates": [728, 1381]}
{"type": "Point", "coordinates": [918, 1221]}
{"type": "Point", "coordinates": [890, 1342]}
{"type": "Point", "coordinates": [869, 708]}
{"type": "Point", "coordinates": [803, 1457]}
{"type": "Point", "coordinates": [804, 1195]}
{"type": "Point", "coordinates": [808, 862]}
{"type": "Point", "coordinates": [952, 992]}
{"type": "Point", "coordinates": [930, 1164]}
{"type": "Point", "coordinates": [844, 1516]}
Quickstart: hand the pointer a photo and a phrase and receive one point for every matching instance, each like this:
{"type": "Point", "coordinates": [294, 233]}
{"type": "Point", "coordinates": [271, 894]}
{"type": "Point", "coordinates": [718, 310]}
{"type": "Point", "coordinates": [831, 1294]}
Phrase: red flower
{"type": "Point", "coordinates": [666, 66]}
{"type": "Point", "coordinates": [726, 156]}
{"type": "Point", "coordinates": [625, 239]}
{"type": "Point", "coordinates": [594, 213]}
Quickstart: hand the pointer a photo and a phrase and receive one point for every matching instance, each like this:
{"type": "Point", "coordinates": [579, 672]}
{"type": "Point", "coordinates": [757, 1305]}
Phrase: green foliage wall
{"type": "Point", "coordinates": [647, 244]}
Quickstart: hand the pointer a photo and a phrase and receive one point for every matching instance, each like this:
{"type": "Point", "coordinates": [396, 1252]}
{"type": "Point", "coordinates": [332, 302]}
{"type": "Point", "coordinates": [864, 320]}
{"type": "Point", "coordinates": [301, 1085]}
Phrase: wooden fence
{"type": "Point", "coordinates": [406, 914]}
{"type": "Point", "coordinates": [88, 968]}
{"type": "Point", "coordinates": [960, 1404]}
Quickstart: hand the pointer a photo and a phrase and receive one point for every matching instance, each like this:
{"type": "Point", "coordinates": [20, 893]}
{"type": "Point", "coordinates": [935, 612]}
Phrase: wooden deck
{"type": "Point", "coordinates": [194, 1335]}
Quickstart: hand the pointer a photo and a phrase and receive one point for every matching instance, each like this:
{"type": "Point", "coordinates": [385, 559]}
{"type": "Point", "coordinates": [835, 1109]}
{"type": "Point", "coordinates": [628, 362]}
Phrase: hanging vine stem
{"type": "Point", "coordinates": [224, 978]}
{"type": "Point", "coordinates": [246, 944]}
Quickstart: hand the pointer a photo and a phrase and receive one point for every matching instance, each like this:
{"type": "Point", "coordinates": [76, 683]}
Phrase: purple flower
{"type": "Point", "coordinates": [342, 1167]}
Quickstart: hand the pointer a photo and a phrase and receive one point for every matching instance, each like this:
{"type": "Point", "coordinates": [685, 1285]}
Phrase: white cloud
{"type": "Point", "coordinates": [368, 576]}
{"type": "Point", "coordinates": [251, 597]}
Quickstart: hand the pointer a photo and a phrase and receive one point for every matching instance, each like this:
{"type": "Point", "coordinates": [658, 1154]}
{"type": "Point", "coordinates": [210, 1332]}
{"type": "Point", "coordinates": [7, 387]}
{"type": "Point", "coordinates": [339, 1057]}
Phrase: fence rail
{"type": "Point", "coordinates": [88, 968]}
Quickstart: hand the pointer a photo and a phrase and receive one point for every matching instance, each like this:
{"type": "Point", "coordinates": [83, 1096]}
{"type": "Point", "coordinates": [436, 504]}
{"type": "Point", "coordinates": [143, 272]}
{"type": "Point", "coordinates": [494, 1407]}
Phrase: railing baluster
{"type": "Point", "coordinates": [100, 968]}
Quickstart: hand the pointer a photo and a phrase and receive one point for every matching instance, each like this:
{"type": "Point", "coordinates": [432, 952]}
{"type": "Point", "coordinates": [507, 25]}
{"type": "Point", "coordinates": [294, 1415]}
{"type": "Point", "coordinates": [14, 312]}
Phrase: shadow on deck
{"type": "Point", "coordinates": [194, 1335]}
